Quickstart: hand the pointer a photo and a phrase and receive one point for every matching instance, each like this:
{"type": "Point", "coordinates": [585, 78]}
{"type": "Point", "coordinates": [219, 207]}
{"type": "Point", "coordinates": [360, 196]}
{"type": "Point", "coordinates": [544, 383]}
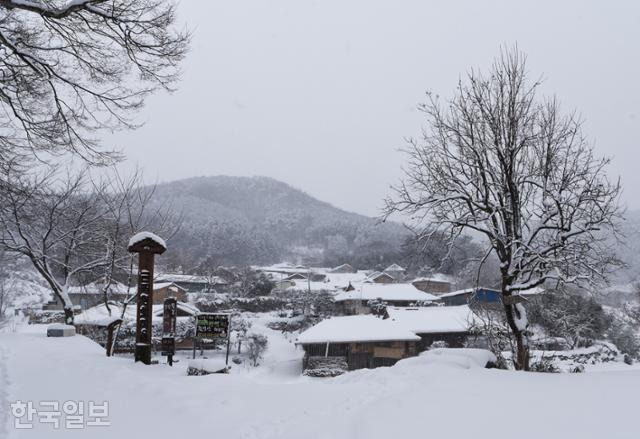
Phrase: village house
{"type": "Point", "coordinates": [89, 295]}
{"type": "Point", "coordinates": [344, 268]}
{"type": "Point", "coordinates": [357, 299]}
{"type": "Point", "coordinates": [194, 283]}
{"type": "Point", "coordinates": [395, 271]}
{"type": "Point", "coordinates": [93, 323]}
{"type": "Point", "coordinates": [296, 276]}
{"type": "Point", "coordinates": [162, 290]}
{"type": "Point", "coordinates": [484, 296]}
{"type": "Point", "coordinates": [92, 294]}
{"type": "Point", "coordinates": [356, 342]}
{"type": "Point", "coordinates": [380, 278]}
{"type": "Point", "coordinates": [452, 325]}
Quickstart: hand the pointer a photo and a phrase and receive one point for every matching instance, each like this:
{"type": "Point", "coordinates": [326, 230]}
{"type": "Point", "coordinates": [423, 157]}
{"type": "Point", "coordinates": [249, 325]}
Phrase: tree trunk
{"type": "Point", "coordinates": [68, 316]}
{"type": "Point", "coordinates": [521, 360]}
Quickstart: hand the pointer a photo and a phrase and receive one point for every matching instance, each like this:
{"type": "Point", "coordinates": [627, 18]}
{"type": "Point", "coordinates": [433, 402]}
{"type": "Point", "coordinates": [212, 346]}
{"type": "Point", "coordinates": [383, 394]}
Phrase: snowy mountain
{"type": "Point", "coordinates": [247, 220]}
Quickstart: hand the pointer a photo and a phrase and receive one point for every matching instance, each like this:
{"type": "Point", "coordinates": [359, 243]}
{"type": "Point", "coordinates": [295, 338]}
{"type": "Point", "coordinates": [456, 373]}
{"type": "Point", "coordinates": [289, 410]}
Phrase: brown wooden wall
{"type": "Point", "coordinates": [162, 293]}
{"type": "Point", "coordinates": [364, 354]}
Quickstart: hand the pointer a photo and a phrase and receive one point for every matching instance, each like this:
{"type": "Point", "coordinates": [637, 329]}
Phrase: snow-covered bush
{"type": "Point", "coordinates": [240, 304]}
{"type": "Point", "coordinates": [239, 329]}
{"type": "Point", "coordinates": [577, 319]}
{"type": "Point", "coordinates": [625, 339]}
{"type": "Point", "coordinates": [322, 367]}
{"type": "Point", "coordinates": [253, 283]}
{"type": "Point", "coordinates": [378, 307]}
{"type": "Point", "coordinates": [256, 346]}
{"type": "Point", "coordinates": [545, 364]}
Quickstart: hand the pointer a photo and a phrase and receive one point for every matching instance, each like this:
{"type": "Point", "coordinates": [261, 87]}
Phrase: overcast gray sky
{"type": "Point", "coordinates": [320, 94]}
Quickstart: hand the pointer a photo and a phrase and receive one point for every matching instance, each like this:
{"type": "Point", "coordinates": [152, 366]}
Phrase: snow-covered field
{"type": "Point", "coordinates": [439, 396]}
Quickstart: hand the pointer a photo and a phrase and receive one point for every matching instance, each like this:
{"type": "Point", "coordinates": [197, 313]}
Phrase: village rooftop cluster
{"type": "Point", "coordinates": [379, 317]}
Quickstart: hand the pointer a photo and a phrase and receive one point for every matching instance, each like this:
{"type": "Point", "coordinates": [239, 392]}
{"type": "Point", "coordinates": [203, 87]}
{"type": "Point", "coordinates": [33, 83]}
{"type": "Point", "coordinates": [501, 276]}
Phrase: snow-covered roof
{"type": "Point", "coordinates": [189, 278]}
{"type": "Point", "coordinates": [99, 315]}
{"type": "Point", "coordinates": [97, 287]}
{"type": "Point", "coordinates": [160, 285]}
{"type": "Point", "coordinates": [434, 319]}
{"type": "Point", "coordinates": [376, 274]}
{"type": "Point", "coordinates": [341, 267]}
{"type": "Point", "coordinates": [458, 292]}
{"type": "Point", "coordinates": [359, 328]}
{"type": "Point", "coordinates": [158, 309]}
{"type": "Point", "coordinates": [394, 267]}
{"type": "Point", "coordinates": [141, 236]}
{"type": "Point", "coordinates": [530, 291]}
{"type": "Point", "coordinates": [436, 277]}
{"type": "Point", "coordinates": [388, 292]}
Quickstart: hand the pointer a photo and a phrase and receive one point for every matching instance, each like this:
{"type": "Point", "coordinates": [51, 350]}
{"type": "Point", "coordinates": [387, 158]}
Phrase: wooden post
{"type": "Point", "coordinates": [195, 335]}
{"type": "Point", "coordinates": [226, 361]}
{"type": "Point", "coordinates": [169, 313]}
{"type": "Point", "coordinates": [147, 245]}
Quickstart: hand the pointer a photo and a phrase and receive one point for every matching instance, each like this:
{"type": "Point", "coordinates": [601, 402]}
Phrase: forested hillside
{"type": "Point", "coordinates": [250, 220]}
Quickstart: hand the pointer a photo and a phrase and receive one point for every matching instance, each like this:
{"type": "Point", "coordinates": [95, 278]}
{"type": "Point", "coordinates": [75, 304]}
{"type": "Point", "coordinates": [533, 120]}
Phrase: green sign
{"type": "Point", "coordinates": [212, 325]}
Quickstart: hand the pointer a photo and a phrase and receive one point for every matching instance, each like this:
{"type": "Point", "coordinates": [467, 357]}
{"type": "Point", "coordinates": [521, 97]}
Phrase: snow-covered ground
{"type": "Point", "coordinates": [435, 395]}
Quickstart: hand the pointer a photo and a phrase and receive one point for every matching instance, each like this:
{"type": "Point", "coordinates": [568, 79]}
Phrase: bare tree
{"type": "Point", "coordinates": [510, 167]}
{"type": "Point", "coordinates": [70, 68]}
{"type": "Point", "coordinates": [49, 218]}
{"type": "Point", "coordinates": [127, 204]}
{"type": "Point", "coordinates": [71, 229]}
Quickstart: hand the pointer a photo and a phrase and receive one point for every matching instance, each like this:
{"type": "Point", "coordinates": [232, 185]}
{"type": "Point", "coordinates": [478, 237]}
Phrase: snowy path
{"type": "Point", "coordinates": [411, 400]}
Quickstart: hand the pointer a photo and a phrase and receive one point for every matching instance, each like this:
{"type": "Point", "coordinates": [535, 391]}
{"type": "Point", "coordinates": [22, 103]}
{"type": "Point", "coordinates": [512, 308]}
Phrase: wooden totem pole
{"type": "Point", "coordinates": [147, 245]}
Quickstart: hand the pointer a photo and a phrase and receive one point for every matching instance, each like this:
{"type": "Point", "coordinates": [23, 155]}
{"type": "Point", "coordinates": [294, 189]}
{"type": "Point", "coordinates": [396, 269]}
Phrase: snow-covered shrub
{"type": "Point", "coordinates": [438, 344]}
{"type": "Point", "coordinates": [45, 317]}
{"type": "Point", "coordinates": [254, 283]}
{"type": "Point", "coordinates": [257, 345]}
{"type": "Point", "coordinates": [240, 304]}
{"type": "Point", "coordinates": [319, 304]}
{"type": "Point", "coordinates": [545, 365]}
{"type": "Point", "coordinates": [295, 324]}
{"type": "Point", "coordinates": [579, 320]}
{"type": "Point", "coordinates": [239, 328]}
{"type": "Point", "coordinates": [378, 307]}
{"type": "Point", "coordinates": [322, 367]}
{"type": "Point", "coordinates": [625, 339]}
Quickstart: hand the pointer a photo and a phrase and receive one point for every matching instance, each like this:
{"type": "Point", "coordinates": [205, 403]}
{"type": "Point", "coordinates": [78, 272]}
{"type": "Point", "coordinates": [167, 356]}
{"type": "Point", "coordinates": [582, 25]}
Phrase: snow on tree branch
{"type": "Point", "coordinates": [501, 161]}
{"type": "Point", "coordinates": [71, 68]}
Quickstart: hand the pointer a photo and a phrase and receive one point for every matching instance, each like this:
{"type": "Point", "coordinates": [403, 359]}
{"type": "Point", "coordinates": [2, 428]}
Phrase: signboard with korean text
{"type": "Point", "coordinates": [168, 346]}
{"type": "Point", "coordinates": [209, 325]}
{"type": "Point", "coordinates": [169, 314]}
